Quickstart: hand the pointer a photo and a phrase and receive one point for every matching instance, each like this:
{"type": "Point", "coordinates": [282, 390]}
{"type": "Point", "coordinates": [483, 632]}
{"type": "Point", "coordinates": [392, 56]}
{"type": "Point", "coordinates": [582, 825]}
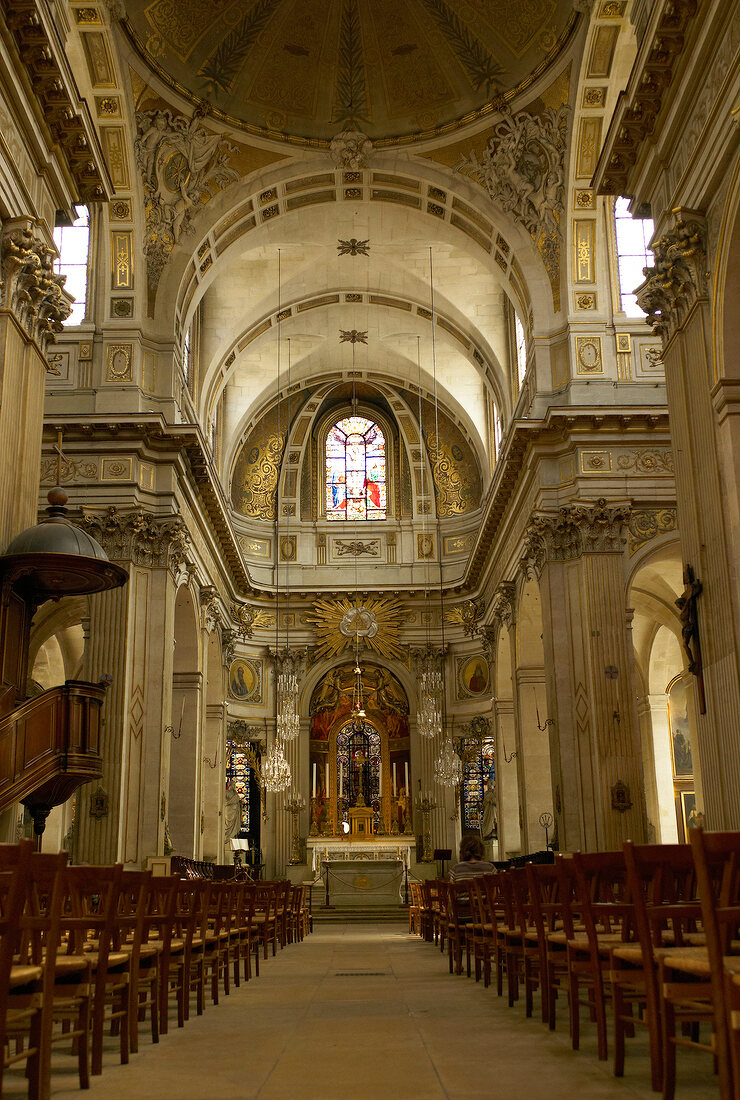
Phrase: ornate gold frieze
{"type": "Point", "coordinates": [646, 523]}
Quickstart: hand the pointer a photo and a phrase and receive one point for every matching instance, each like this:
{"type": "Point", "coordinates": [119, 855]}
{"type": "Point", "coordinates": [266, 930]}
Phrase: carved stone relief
{"type": "Point", "coordinates": [182, 165]}
{"type": "Point", "coordinates": [29, 287]}
{"type": "Point", "coordinates": [678, 278]}
{"type": "Point", "coordinates": [140, 538]}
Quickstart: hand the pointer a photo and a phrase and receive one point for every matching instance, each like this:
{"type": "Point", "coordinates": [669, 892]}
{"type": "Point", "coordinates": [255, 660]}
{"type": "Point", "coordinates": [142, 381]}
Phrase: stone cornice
{"type": "Point", "coordinates": [522, 437]}
{"type": "Point", "coordinates": [188, 441]}
{"type": "Point", "coordinates": [638, 107]}
{"type": "Point", "coordinates": [61, 108]}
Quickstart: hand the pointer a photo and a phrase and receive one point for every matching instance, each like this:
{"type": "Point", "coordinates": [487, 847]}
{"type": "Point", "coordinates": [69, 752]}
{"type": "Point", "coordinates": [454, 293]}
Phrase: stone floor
{"type": "Point", "coordinates": [364, 1011]}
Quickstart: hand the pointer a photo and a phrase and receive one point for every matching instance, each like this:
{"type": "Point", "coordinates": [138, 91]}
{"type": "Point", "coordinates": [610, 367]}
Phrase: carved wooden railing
{"type": "Point", "coordinates": [49, 746]}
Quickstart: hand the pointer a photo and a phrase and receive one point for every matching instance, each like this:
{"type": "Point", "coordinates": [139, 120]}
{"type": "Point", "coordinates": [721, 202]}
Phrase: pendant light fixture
{"type": "Point", "coordinates": [276, 773]}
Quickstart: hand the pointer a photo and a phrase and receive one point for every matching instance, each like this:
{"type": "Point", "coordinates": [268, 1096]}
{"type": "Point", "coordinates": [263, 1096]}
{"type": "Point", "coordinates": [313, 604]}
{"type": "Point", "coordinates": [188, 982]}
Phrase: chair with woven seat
{"type": "Point", "coordinates": [712, 973]}
{"type": "Point", "coordinates": [551, 890]}
{"type": "Point", "coordinates": [454, 901]}
{"type": "Point", "coordinates": [164, 928]}
{"type": "Point", "coordinates": [89, 921]}
{"type": "Point", "coordinates": [35, 990]}
{"type": "Point", "coordinates": [662, 886]}
{"type": "Point", "coordinates": [130, 935]}
{"type": "Point", "coordinates": [607, 913]}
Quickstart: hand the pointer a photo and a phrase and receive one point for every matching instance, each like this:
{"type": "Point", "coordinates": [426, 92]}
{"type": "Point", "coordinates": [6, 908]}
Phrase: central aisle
{"type": "Point", "coordinates": [364, 1011]}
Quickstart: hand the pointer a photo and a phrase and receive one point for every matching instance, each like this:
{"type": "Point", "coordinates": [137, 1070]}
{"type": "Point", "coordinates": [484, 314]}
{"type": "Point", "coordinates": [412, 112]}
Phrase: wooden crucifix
{"type": "Point", "coordinates": [687, 605]}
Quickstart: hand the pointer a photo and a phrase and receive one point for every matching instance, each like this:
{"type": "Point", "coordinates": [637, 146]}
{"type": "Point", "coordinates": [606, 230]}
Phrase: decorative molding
{"type": "Point", "coordinates": [210, 608]}
{"type": "Point", "coordinates": [351, 149]}
{"type": "Point", "coordinates": [679, 276]}
{"type": "Point", "coordinates": [140, 537]}
{"type": "Point", "coordinates": [466, 615]}
{"type": "Point", "coordinates": [356, 549]}
{"type": "Point", "coordinates": [119, 363]}
{"type": "Point", "coordinates": [248, 619]}
{"type": "Point", "coordinates": [182, 165]}
{"type": "Point", "coordinates": [577, 529]}
{"type": "Point", "coordinates": [647, 523]}
{"type": "Point", "coordinates": [72, 470]}
{"type": "Point", "coordinates": [353, 247]}
{"type": "Point", "coordinates": [29, 286]}
{"type": "Point", "coordinates": [373, 622]}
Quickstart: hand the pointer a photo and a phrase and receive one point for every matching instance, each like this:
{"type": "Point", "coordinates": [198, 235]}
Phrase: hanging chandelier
{"type": "Point", "coordinates": [276, 774]}
{"type": "Point", "coordinates": [429, 714]}
{"type": "Point", "coordinates": [448, 767]}
{"type": "Point", "coordinates": [288, 718]}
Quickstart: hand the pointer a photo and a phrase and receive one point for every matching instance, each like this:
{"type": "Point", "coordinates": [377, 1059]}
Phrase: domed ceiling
{"type": "Point", "coordinates": [306, 69]}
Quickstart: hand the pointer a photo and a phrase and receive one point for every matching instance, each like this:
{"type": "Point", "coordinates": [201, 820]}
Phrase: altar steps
{"type": "Point", "coordinates": [360, 914]}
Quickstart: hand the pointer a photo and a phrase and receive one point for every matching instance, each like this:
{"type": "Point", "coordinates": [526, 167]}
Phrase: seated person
{"type": "Point", "coordinates": [471, 862]}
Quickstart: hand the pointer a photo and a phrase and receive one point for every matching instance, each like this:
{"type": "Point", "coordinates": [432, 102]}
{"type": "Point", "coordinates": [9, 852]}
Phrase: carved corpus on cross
{"type": "Point", "coordinates": [687, 605]}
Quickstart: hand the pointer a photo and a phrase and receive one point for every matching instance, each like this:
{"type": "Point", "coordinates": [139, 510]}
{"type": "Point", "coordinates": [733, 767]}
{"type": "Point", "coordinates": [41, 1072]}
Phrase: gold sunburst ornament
{"type": "Point", "coordinates": [374, 622]}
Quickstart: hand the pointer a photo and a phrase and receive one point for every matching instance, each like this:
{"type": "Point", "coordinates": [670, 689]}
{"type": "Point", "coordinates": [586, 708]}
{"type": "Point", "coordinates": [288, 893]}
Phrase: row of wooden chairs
{"type": "Point", "coordinates": [83, 947]}
{"type": "Point", "coordinates": [650, 934]}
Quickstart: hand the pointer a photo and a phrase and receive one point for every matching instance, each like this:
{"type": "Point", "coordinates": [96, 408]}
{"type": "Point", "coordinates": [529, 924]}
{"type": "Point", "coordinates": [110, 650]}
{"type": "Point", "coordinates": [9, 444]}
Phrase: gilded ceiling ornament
{"type": "Point", "coordinates": [352, 336]}
{"type": "Point", "coordinates": [374, 623]}
{"type": "Point", "coordinates": [465, 615]}
{"type": "Point", "coordinates": [249, 619]}
{"type": "Point", "coordinates": [353, 247]}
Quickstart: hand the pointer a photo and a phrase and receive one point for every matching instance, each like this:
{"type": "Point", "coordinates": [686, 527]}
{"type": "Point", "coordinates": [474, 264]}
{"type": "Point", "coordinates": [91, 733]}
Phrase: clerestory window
{"type": "Point", "coordinates": [73, 245]}
{"type": "Point", "coordinates": [356, 479]}
{"type": "Point", "coordinates": [633, 254]}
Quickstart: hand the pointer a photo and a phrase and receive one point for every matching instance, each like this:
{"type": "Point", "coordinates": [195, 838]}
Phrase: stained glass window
{"type": "Point", "coordinates": [355, 470]}
{"type": "Point", "coordinates": [633, 254]}
{"type": "Point", "coordinates": [238, 773]}
{"type": "Point", "coordinates": [358, 769]}
{"type": "Point", "coordinates": [478, 775]}
{"type": "Point", "coordinates": [73, 243]}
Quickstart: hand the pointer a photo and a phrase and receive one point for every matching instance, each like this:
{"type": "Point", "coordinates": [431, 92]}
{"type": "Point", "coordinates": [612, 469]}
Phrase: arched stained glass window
{"type": "Point", "coordinates": [355, 470]}
{"type": "Point", "coordinates": [358, 769]}
{"type": "Point", "coordinates": [478, 775]}
{"type": "Point", "coordinates": [238, 773]}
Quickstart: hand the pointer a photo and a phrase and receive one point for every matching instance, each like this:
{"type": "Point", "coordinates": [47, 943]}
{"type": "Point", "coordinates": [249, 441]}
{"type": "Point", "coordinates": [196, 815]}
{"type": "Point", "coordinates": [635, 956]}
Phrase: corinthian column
{"type": "Point", "coordinates": [706, 436]}
{"type": "Point", "coordinates": [131, 631]}
{"type": "Point", "coordinates": [594, 739]}
{"type": "Point", "coordinates": [32, 308]}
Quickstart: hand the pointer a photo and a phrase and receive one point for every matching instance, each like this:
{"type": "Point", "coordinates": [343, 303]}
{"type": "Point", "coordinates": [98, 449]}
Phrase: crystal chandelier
{"type": "Point", "coordinates": [276, 769]}
{"type": "Point", "coordinates": [448, 768]}
{"type": "Point", "coordinates": [429, 715]}
{"type": "Point", "coordinates": [288, 719]}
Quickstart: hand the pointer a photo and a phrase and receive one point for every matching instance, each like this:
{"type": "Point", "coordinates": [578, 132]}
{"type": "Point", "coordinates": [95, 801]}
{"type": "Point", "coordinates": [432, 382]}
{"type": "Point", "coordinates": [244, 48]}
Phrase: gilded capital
{"type": "Point", "coordinates": [29, 286]}
{"type": "Point", "coordinates": [577, 529]}
{"type": "Point", "coordinates": [679, 276]}
{"type": "Point", "coordinates": [141, 538]}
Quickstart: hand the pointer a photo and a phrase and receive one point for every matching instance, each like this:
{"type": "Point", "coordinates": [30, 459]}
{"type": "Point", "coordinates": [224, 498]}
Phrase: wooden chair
{"type": "Point", "coordinates": [495, 911]}
{"type": "Point", "coordinates": [248, 935]}
{"type": "Point", "coordinates": [551, 891]}
{"type": "Point", "coordinates": [217, 939]}
{"type": "Point", "coordinates": [27, 972]}
{"type": "Point", "coordinates": [265, 915]}
{"type": "Point", "coordinates": [606, 912]}
{"type": "Point", "coordinates": [415, 908]}
{"type": "Point", "coordinates": [456, 910]}
{"type": "Point", "coordinates": [130, 935]}
{"type": "Point", "coordinates": [717, 861]}
{"type": "Point", "coordinates": [163, 930]}
{"type": "Point", "coordinates": [662, 886]}
{"type": "Point", "coordinates": [519, 933]}
{"type": "Point", "coordinates": [89, 921]}
{"type": "Point", "coordinates": [481, 931]}
{"type": "Point", "coordinates": [192, 910]}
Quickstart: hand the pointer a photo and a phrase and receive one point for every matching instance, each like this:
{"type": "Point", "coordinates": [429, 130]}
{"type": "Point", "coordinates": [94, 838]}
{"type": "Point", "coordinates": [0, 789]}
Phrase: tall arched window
{"type": "Point", "coordinates": [633, 254]}
{"type": "Point", "coordinates": [73, 244]}
{"type": "Point", "coordinates": [355, 470]}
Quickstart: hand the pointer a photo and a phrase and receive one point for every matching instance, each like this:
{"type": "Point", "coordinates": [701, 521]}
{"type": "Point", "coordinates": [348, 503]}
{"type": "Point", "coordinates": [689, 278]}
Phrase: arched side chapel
{"type": "Point", "coordinates": [550, 463]}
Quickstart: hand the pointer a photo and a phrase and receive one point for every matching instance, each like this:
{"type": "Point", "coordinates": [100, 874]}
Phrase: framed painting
{"type": "Point", "coordinates": [472, 676]}
{"type": "Point", "coordinates": [678, 718]}
{"type": "Point", "coordinates": [245, 680]}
